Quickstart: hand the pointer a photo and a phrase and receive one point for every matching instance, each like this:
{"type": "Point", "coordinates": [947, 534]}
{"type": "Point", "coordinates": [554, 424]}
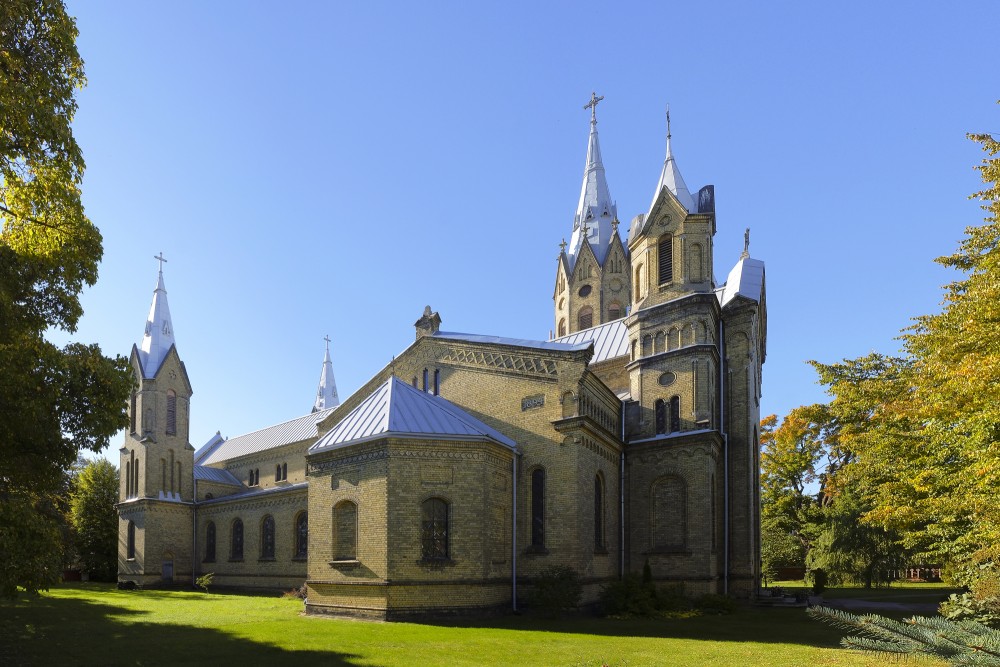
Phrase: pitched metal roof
{"type": "Point", "coordinates": [295, 430]}
{"type": "Point", "coordinates": [554, 345]}
{"type": "Point", "coordinates": [396, 408]}
{"type": "Point", "coordinates": [217, 475]}
{"type": "Point", "coordinates": [256, 491]}
{"type": "Point", "coordinates": [158, 337]}
{"type": "Point", "coordinates": [746, 279]}
{"type": "Point", "coordinates": [610, 340]}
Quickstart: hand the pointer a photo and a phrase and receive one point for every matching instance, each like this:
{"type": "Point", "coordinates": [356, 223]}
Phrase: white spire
{"type": "Point", "coordinates": [326, 394]}
{"type": "Point", "coordinates": [159, 335]}
{"type": "Point", "coordinates": [671, 178]}
{"type": "Point", "coordinates": [596, 211]}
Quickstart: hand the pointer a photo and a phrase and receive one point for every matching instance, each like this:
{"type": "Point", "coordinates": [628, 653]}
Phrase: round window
{"type": "Point", "coordinates": [666, 379]}
{"type": "Point", "coordinates": [585, 290]}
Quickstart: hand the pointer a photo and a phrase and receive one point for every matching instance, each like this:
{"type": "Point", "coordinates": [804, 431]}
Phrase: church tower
{"type": "Point", "coordinates": [326, 393]}
{"type": "Point", "coordinates": [157, 461]}
{"type": "Point", "coordinates": [592, 276]}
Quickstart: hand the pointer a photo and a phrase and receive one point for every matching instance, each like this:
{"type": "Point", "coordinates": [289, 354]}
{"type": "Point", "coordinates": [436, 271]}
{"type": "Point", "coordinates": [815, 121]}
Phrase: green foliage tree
{"type": "Point", "coordinates": [95, 519]}
{"type": "Point", "coordinates": [957, 642]}
{"type": "Point", "coordinates": [54, 401]}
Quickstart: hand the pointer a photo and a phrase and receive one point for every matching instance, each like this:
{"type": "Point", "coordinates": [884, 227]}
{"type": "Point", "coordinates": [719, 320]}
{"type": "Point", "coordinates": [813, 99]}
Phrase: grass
{"type": "Point", "coordinates": [904, 592]}
{"type": "Point", "coordinates": [95, 624]}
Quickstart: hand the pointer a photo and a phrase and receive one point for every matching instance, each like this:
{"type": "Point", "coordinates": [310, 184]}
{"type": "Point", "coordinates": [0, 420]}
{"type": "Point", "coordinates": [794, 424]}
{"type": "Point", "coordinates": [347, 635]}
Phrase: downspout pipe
{"type": "Point", "coordinates": [725, 459]}
{"type": "Point", "coordinates": [513, 534]}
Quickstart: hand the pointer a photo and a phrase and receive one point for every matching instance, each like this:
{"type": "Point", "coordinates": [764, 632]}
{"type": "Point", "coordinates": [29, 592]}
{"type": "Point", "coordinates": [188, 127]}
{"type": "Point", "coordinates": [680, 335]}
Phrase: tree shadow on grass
{"type": "Point", "coordinates": [749, 624]}
{"type": "Point", "coordinates": [47, 631]}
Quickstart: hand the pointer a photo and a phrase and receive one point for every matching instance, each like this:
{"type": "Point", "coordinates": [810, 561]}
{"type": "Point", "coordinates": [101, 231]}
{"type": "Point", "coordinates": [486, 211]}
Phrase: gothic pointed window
{"type": "Point", "coordinates": [562, 327]}
{"type": "Point", "coordinates": [128, 479]}
{"type": "Point", "coordinates": [210, 542]}
{"type": "Point", "coordinates": [675, 414]}
{"type": "Point", "coordinates": [586, 317]}
{"type": "Point", "coordinates": [131, 413]}
{"type": "Point", "coordinates": [425, 379]}
{"type": "Point", "coordinates": [277, 473]}
{"type": "Point", "coordinates": [434, 529]}
{"type": "Point", "coordinates": [284, 471]}
{"type": "Point", "coordinates": [538, 508]}
{"type": "Point", "coordinates": [345, 526]}
{"type": "Point", "coordinates": [236, 541]}
{"type": "Point", "coordinates": [135, 478]}
{"type": "Point", "coordinates": [130, 549]}
{"type": "Point", "coordinates": [666, 259]}
{"type": "Point", "coordinates": [437, 381]}
{"type": "Point", "coordinates": [171, 412]}
{"type": "Point", "coordinates": [302, 535]}
{"type": "Point", "coordinates": [267, 537]}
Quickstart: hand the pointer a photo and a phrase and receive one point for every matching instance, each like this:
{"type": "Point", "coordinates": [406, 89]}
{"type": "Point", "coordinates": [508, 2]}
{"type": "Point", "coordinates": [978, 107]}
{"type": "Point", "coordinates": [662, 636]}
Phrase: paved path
{"type": "Point", "coordinates": [863, 606]}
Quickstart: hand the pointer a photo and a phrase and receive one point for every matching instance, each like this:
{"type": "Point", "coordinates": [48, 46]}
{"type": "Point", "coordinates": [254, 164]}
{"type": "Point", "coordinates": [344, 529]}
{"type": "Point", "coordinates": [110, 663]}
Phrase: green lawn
{"type": "Point", "coordinates": [95, 624]}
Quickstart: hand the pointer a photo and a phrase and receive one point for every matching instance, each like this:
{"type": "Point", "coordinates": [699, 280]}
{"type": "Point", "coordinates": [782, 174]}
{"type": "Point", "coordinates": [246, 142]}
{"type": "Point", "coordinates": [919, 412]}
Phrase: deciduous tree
{"type": "Point", "coordinates": [95, 519]}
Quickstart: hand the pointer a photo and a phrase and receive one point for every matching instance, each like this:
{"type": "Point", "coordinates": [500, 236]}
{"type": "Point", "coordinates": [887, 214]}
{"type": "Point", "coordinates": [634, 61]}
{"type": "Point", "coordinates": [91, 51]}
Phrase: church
{"type": "Point", "coordinates": [472, 463]}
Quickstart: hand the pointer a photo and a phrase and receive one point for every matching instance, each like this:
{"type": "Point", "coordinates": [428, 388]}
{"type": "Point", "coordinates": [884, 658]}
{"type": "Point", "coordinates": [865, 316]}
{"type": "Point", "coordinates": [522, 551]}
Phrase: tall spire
{"type": "Point", "coordinates": [326, 394]}
{"type": "Point", "coordinates": [159, 335]}
{"type": "Point", "coordinates": [596, 211]}
{"type": "Point", "coordinates": [671, 178]}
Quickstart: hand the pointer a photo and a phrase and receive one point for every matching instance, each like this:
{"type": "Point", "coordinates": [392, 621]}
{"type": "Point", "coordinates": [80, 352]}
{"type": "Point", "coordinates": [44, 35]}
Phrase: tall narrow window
{"type": "Point", "coordinates": [562, 327]}
{"type": "Point", "coordinates": [163, 475]}
{"type": "Point", "coordinates": [131, 413]}
{"type": "Point", "coordinates": [675, 414]}
{"type": "Point", "coordinates": [586, 317]}
{"type": "Point", "coordinates": [267, 537]}
{"type": "Point", "coordinates": [434, 529]}
{"type": "Point", "coordinates": [210, 542]}
{"type": "Point", "coordinates": [661, 416]}
{"type": "Point", "coordinates": [637, 287]}
{"type": "Point", "coordinates": [538, 508]}
{"type": "Point", "coordinates": [171, 471]}
{"type": "Point", "coordinates": [277, 473]}
{"type": "Point", "coordinates": [135, 478]}
{"type": "Point", "coordinates": [171, 412]}
{"type": "Point", "coordinates": [180, 479]}
{"type": "Point", "coordinates": [284, 471]}
{"type": "Point", "coordinates": [666, 257]}
{"type": "Point", "coordinates": [302, 535]}
{"type": "Point", "coordinates": [437, 381]}
{"type": "Point", "coordinates": [345, 525]}
{"type": "Point", "coordinates": [414, 381]}
{"type": "Point", "coordinates": [128, 479]}
{"type": "Point", "coordinates": [131, 541]}
{"type": "Point", "coordinates": [598, 512]}
{"type": "Point", "coordinates": [236, 541]}
{"type": "Point", "coordinates": [425, 379]}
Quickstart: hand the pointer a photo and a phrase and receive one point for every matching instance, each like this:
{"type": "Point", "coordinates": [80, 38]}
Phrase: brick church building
{"type": "Point", "coordinates": [474, 462]}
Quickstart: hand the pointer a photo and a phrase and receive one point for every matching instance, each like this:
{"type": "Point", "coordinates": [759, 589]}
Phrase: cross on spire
{"type": "Point", "coordinates": [562, 246]}
{"type": "Point", "coordinates": [592, 105]}
{"type": "Point", "coordinates": [668, 121]}
{"type": "Point", "coordinates": [161, 260]}
{"type": "Point", "coordinates": [327, 339]}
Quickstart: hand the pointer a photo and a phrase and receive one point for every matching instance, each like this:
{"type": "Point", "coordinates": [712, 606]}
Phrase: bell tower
{"type": "Point", "coordinates": [157, 460]}
{"type": "Point", "coordinates": [592, 275]}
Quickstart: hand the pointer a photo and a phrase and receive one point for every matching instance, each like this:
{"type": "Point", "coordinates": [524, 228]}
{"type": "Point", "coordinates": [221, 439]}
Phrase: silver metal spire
{"type": "Point", "coordinates": [596, 210]}
{"type": "Point", "coordinates": [158, 337]}
{"type": "Point", "coordinates": [326, 393]}
{"type": "Point", "coordinates": [671, 178]}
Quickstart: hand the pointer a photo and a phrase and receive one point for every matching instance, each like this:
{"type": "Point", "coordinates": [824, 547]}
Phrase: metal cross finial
{"type": "Point", "coordinates": [161, 259]}
{"type": "Point", "coordinates": [592, 105]}
{"type": "Point", "coordinates": [584, 229]}
{"type": "Point", "coordinates": [327, 339]}
{"type": "Point", "coordinates": [562, 246]}
{"type": "Point", "coordinates": [668, 120]}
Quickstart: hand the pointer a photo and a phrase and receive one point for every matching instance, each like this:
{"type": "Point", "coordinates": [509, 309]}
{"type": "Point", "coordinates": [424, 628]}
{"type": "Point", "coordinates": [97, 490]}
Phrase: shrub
{"type": "Point", "coordinates": [556, 588]}
{"type": "Point", "coordinates": [716, 604]}
{"type": "Point", "coordinates": [204, 581]}
{"type": "Point", "coordinates": [818, 576]}
{"type": "Point", "coordinates": [299, 593]}
{"type": "Point", "coordinates": [631, 596]}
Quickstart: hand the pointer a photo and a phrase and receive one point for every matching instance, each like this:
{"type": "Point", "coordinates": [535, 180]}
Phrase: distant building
{"type": "Point", "coordinates": [474, 462]}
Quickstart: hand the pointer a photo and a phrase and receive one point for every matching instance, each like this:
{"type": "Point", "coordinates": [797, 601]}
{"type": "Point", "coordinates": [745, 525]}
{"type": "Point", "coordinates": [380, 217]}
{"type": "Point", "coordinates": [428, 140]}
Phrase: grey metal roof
{"type": "Point", "coordinates": [516, 342]}
{"type": "Point", "coordinates": [295, 430]}
{"type": "Point", "coordinates": [610, 340]}
{"type": "Point", "coordinates": [746, 279]}
{"type": "Point", "coordinates": [396, 408]}
{"type": "Point", "coordinates": [267, 491]}
{"type": "Point", "coordinates": [217, 475]}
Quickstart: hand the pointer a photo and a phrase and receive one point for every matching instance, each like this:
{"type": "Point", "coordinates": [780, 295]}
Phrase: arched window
{"type": "Point", "coordinates": [171, 412]}
{"type": "Point", "coordinates": [302, 535]}
{"type": "Point", "coordinates": [562, 327]}
{"type": "Point", "coordinates": [180, 479]}
{"type": "Point", "coordinates": [425, 379]}
{"type": "Point", "coordinates": [210, 542]}
{"type": "Point", "coordinates": [661, 416]}
{"type": "Point", "coordinates": [614, 311]}
{"type": "Point", "coordinates": [585, 317]}
{"type": "Point", "coordinates": [277, 472]}
{"type": "Point", "coordinates": [659, 342]}
{"type": "Point", "coordinates": [414, 381]}
{"type": "Point", "coordinates": [675, 414]}
{"type": "Point", "coordinates": [345, 526]}
{"type": "Point", "coordinates": [128, 478]}
{"type": "Point", "coordinates": [130, 554]}
{"type": "Point", "coordinates": [434, 529]}
{"type": "Point", "coordinates": [236, 541]}
{"type": "Point", "coordinates": [131, 413]}
{"type": "Point", "coordinates": [598, 512]}
{"type": "Point", "coordinates": [267, 537]}
{"type": "Point", "coordinates": [538, 508]}
{"type": "Point", "coordinates": [135, 478]}
{"type": "Point", "coordinates": [284, 471]}
{"type": "Point", "coordinates": [647, 345]}
{"type": "Point", "coordinates": [637, 287]}
{"type": "Point", "coordinates": [665, 250]}
{"type": "Point", "coordinates": [634, 343]}
{"type": "Point", "coordinates": [437, 381]}
{"type": "Point", "coordinates": [669, 502]}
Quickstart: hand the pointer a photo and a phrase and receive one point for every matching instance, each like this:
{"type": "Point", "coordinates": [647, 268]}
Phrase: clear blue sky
{"type": "Point", "coordinates": [331, 168]}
